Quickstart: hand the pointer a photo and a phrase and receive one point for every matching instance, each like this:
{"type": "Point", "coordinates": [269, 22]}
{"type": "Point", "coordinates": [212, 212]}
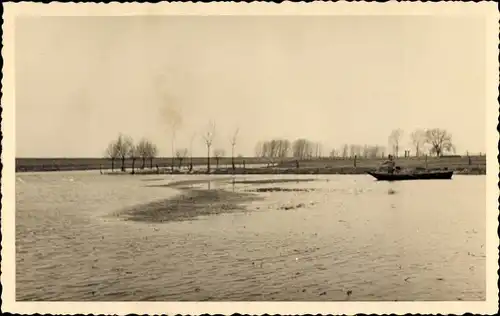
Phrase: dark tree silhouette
{"type": "Point", "coordinates": [123, 145]}
{"type": "Point", "coordinates": [439, 140]}
{"type": "Point", "coordinates": [133, 154]}
{"type": "Point", "coordinates": [112, 153]}
{"type": "Point", "coordinates": [142, 151]}
{"type": "Point", "coordinates": [151, 152]}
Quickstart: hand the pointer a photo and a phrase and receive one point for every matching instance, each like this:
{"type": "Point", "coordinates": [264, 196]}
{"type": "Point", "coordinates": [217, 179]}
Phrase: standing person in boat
{"type": "Point", "coordinates": [390, 163]}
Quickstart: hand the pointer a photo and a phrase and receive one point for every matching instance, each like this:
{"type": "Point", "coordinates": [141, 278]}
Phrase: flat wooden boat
{"type": "Point", "coordinates": [399, 176]}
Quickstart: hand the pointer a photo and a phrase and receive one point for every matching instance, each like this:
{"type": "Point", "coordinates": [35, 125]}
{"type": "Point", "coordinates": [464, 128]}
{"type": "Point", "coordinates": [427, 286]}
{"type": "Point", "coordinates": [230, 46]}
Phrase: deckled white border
{"type": "Point", "coordinates": [11, 10]}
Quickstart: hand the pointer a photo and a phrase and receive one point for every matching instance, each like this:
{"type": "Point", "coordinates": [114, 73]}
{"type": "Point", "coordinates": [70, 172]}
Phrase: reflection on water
{"type": "Point", "coordinates": [335, 238]}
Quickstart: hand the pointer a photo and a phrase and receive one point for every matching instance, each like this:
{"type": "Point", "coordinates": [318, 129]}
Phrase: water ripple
{"type": "Point", "coordinates": [350, 241]}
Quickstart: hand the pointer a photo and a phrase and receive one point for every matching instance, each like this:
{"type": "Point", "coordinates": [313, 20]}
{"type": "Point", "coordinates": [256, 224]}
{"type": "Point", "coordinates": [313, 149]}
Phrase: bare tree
{"type": "Point", "coordinates": [299, 148]}
{"type": "Point", "coordinates": [218, 153]}
{"type": "Point", "coordinates": [152, 151]}
{"type": "Point", "coordinates": [142, 151]}
{"type": "Point", "coordinates": [333, 153]}
{"type": "Point", "coordinates": [112, 153]}
{"type": "Point", "coordinates": [285, 146]}
{"type": "Point", "coordinates": [120, 152]}
{"type": "Point", "coordinates": [439, 140]}
{"type": "Point", "coordinates": [133, 154]}
{"type": "Point", "coordinates": [181, 154]}
{"type": "Point", "coordinates": [302, 148]}
{"type": "Point", "coordinates": [259, 149]}
{"type": "Point", "coordinates": [395, 140]}
{"type": "Point", "coordinates": [355, 150]}
{"type": "Point", "coordinates": [352, 150]}
{"type": "Point", "coordinates": [276, 148]}
{"type": "Point", "coordinates": [269, 151]}
{"type": "Point", "coordinates": [208, 137]}
{"type": "Point", "coordinates": [266, 150]}
{"type": "Point", "coordinates": [418, 139]}
{"type": "Point", "coordinates": [376, 151]}
{"type": "Point", "coordinates": [233, 145]}
{"type": "Point", "coordinates": [128, 146]}
{"type": "Point", "coordinates": [272, 148]}
{"type": "Point", "coordinates": [366, 151]}
{"type": "Point", "coordinates": [318, 150]}
{"type": "Point", "coordinates": [345, 151]}
{"type": "Point", "coordinates": [123, 145]}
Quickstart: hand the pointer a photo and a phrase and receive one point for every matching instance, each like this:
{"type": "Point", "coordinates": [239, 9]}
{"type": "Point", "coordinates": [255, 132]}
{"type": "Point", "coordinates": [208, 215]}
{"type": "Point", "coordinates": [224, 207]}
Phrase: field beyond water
{"type": "Point", "coordinates": [81, 236]}
{"type": "Point", "coordinates": [253, 165]}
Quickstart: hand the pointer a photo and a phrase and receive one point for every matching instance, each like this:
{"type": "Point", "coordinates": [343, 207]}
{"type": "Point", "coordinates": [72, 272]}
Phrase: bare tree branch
{"type": "Point", "coordinates": [208, 137]}
{"type": "Point", "coordinates": [439, 140]}
{"type": "Point", "coordinates": [418, 139]}
{"type": "Point", "coordinates": [209, 134]}
{"type": "Point", "coordinates": [113, 153]}
{"type": "Point", "coordinates": [395, 140]}
{"type": "Point", "coordinates": [181, 154]}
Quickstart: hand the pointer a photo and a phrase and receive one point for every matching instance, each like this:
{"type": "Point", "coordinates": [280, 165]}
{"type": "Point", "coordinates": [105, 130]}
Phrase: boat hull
{"type": "Point", "coordinates": [438, 175]}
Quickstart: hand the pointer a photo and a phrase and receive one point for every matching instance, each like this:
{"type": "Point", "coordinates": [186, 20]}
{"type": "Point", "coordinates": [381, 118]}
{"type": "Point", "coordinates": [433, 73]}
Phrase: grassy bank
{"type": "Point", "coordinates": [69, 164]}
{"type": "Point", "coordinates": [265, 171]}
{"type": "Point", "coordinates": [460, 164]}
{"type": "Point", "coordinates": [253, 165]}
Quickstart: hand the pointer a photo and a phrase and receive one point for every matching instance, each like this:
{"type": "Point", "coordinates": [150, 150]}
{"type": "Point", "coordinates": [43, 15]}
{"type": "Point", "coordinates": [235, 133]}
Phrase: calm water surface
{"type": "Point", "coordinates": [420, 240]}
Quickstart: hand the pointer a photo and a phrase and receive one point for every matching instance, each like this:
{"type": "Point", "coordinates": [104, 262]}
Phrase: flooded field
{"type": "Point", "coordinates": [83, 236]}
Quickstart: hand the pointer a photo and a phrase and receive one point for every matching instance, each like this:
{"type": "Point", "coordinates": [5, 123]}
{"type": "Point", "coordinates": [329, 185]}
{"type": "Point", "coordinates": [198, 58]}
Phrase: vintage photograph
{"type": "Point", "coordinates": [252, 157]}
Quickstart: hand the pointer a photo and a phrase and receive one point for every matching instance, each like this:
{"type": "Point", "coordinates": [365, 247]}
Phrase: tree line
{"type": "Point", "coordinates": [283, 148]}
{"type": "Point", "coordinates": [124, 148]}
{"type": "Point", "coordinates": [306, 149]}
{"type": "Point", "coordinates": [434, 141]}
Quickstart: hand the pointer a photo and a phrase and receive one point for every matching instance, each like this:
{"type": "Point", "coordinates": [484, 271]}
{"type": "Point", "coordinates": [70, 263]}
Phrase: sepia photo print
{"type": "Point", "coordinates": [250, 157]}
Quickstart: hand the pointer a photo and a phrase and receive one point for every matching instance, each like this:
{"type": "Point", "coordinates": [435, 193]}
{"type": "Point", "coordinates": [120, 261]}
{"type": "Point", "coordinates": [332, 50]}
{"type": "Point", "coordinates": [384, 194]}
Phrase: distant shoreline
{"type": "Point", "coordinates": [270, 171]}
{"type": "Point", "coordinates": [473, 165]}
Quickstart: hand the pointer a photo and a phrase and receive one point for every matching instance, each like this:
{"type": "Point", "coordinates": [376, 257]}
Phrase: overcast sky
{"type": "Point", "coordinates": [343, 79]}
